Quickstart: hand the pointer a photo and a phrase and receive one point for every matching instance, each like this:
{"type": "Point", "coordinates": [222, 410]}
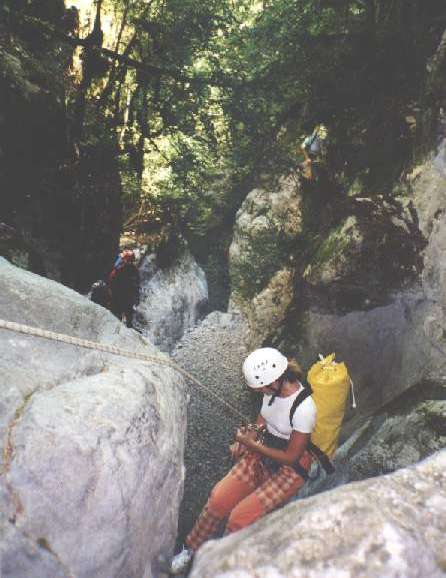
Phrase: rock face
{"type": "Point", "coordinates": [409, 429]}
{"type": "Point", "coordinates": [393, 526]}
{"type": "Point", "coordinates": [172, 299]}
{"type": "Point", "coordinates": [339, 249]}
{"type": "Point", "coordinates": [403, 334]}
{"type": "Point", "coordinates": [368, 283]}
{"type": "Point", "coordinates": [267, 225]}
{"type": "Point", "coordinates": [385, 348]}
{"type": "Point", "coordinates": [92, 443]}
{"type": "Point", "coordinates": [213, 352]}
{"type": "Point", "coordinates": [428, 184]}
{"type": "Point", "coordinates": [267, 311]}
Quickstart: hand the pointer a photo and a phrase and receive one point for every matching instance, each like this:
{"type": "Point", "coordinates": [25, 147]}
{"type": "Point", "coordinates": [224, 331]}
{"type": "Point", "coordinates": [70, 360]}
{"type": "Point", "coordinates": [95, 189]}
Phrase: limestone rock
{"type": "Point", "coordinates": [336, 257]}
{"type": "Point", "coordinates": [385, 348]}
{"type": "Point", "coordinates": [391, 526]}
{"type": "Point", "coordinates": [267, 225]}
{"type": "Point", "coordinates": [409, 429]}
{"type": "Point", "coordinates": [389, 442]}
{"type": "Point", "coordinates": [92, 443]}
{"type": "Point", "coordinates": [266, 312]}
{"type": "Point", "coordinates": [429, 197]}
{"type": "Point", "coordinates": [389, 329]}
{"type": "Point", "coordinates": [172, 299]}
{"type": "Point", "coordinates": [368, 256]}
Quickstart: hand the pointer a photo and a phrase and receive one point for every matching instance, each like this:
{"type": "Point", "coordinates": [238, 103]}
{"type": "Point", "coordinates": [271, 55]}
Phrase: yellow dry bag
{"type": "Point", "coordinates": [330, 383]}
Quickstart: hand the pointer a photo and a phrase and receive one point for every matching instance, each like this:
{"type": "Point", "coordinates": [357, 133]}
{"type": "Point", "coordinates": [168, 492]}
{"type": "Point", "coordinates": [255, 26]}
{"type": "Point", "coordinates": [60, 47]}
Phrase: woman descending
{"type": "Point", "coordinates": [272, 457]}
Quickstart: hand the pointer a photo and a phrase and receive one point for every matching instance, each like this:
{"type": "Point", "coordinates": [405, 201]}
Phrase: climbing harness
{"type": "Point", "coordinates": [77, 341]}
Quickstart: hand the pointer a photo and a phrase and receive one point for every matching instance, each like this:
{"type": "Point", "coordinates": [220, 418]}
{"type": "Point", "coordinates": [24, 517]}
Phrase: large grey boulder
{"type": "Point", "coordinates": [173, 299]}
{"type": "Point", "coordinates": [393, 340]}
{"type": "Point", "coordinates": [428, 186]}
{"type": "Point", "coordinates": [92, 443]}
{"type": "Point", "coordinates": [337, 255]}
{"type": "Point", "coordinates": [393, 526]}
{"type": "Point", "coordinates": [261, 256]}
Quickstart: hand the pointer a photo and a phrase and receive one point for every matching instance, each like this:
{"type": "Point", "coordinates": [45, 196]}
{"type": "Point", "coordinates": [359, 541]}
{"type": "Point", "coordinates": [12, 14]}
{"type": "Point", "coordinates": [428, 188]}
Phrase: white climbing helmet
{"type": "Point", "coordinates": [263, 366]}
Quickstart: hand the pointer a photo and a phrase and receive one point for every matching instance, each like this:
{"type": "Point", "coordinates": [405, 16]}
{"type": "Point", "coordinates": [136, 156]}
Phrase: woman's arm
{"type": "Point", "coordinates": [295, 449]}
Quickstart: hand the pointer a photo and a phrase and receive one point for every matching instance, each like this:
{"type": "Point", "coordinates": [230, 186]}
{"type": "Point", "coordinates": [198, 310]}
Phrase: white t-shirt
{"type": "Point", "coordinates": [277, 416]}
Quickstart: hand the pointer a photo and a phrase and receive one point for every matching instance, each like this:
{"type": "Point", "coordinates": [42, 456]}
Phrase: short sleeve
{"type": "Point", "coordinates": [304, 419]}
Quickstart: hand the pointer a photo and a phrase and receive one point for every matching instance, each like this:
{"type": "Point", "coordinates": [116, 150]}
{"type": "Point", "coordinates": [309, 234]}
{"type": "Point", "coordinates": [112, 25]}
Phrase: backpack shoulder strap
{"type": "Point", "coordinates": [306, 392]}
{"type": "Point", "coordinates": [313, 138]}
{"type": "Point", "coordinates": [323, 459]}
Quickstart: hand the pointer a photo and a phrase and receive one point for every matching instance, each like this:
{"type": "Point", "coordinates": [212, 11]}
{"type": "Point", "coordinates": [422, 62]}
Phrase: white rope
{"type": "Point", "coordinates": [77, 341]}
{"type": "Point", "coordinates": [352, 387]}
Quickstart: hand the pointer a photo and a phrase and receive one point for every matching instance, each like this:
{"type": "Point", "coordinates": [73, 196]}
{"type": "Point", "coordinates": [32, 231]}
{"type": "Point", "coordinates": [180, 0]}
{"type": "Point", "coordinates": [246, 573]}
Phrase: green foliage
{"type": "Point", "coordinates": [226, 90]}
{"type": "Point", "coordinates": [239, 86]}
{"type": "Point", "coordinates": [265, 257]}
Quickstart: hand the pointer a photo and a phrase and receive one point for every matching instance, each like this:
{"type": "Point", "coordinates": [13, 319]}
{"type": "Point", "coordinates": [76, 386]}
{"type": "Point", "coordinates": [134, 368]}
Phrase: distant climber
{"type": "Point", "coordinates": [124, 286]}
{"type": "Point", "coordinates": [313, 149]}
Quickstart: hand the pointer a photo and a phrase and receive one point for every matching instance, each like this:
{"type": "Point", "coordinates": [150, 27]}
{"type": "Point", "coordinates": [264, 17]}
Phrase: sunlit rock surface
{"type": "Point", "coordinates": [261, 256]}
{"type": "Point", "coordinates": [267, 311]}
{"type": "Point", "coordinates": [393, 526]}
{"type": "Point", "coordinates": [429, 196]}
{"type": "Point", "coordinates": [92, 444]}
{"type": "Point", "coordinates": [173, 299]}
{"type": "Point", "coordinates": [391, 345]}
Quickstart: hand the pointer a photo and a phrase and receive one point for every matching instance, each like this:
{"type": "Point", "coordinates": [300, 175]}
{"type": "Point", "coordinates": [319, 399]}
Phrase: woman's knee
{"type": "Point", "coordinates": [245, 514]}
{"type": "Point", "coordinates": [219, 501]}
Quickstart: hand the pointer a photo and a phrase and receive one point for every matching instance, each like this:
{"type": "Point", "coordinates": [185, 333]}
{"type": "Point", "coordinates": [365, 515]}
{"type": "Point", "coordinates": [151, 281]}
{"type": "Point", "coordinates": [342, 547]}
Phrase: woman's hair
{"type": "Point", "coordinates": [292, 373]}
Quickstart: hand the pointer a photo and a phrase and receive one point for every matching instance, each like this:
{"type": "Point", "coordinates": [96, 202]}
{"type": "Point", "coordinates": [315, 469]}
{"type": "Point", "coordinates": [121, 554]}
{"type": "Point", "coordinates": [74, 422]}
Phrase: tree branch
{"type": "Point", "coordinates": [125, 59]}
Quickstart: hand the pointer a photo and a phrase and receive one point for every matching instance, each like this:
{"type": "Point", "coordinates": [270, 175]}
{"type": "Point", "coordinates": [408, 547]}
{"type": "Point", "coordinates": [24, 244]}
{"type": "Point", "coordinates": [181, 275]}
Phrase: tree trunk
{"type": "Point", "coordinates": [94, 39]}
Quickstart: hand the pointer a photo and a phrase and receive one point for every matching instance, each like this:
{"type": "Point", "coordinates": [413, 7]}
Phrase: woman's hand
{"type": "Point", "coordinates": [237, 450]}
{"type": "Point", "coordinates": [247, 437]}
{"type": "Point", "coordinates": [244, 437]}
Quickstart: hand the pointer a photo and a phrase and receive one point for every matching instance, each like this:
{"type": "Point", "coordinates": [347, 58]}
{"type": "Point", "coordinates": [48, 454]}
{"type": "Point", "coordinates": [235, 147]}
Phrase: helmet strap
{"type": "Point", "coordinates": [276, 393]}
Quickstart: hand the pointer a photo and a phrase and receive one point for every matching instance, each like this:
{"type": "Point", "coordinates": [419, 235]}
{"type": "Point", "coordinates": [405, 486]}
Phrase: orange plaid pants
{"type": "Point", "coordinates": [248, 492]}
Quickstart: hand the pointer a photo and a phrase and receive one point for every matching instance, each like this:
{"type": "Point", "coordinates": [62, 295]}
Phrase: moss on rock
{"type": "Point", "coordinates": [333, 259]}
{"type": "Point", "coordinates": [265, 254]}
{"type": "Point", "coordinates": [267, 227]}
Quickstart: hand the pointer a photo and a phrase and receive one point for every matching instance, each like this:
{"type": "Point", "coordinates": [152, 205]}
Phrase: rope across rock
{"type": "Point", "coordinates": [87, 344]}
